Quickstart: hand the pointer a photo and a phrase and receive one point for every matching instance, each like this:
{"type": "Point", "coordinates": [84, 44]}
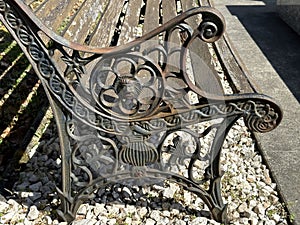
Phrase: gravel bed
{"type": "Point", "coordinates": [247, 188]}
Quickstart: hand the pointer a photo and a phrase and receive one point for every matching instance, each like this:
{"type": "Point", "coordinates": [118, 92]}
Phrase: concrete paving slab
{"type": "Point", "coordinates": [289, 10]}
{"type": "Point", "coordinates": [270, 50]}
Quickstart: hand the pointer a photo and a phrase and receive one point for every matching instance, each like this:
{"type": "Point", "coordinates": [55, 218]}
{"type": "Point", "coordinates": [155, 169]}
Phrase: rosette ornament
{"type": "Point", "coordinates": [127, 85]}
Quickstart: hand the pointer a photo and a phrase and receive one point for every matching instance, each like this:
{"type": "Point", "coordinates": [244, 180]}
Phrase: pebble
{"type": "Point", "coordinates": [170, 191]}
{"type": "Point", "coordinates": [48, 220]}
{"type": "Point", "coordinates": [35, 196]}
{"type": "Point", "coordinates": [34, 178]}
{"type": "Point", "coordinates": [3, 206]}
{"type": "Point", "coordinates": [83, 209]}
{"type": "Point", "coordinates": [150, 221]}
{"type": "Point", "coordinates": [36, 187]}
{"type": "Point", "coordinates": [243, 207]}
{"type": "Point", "coordinates": [155, 214]}
{"type": "Point", "coordinates": [143, 211]}
{"type": "Point", "coordinates": [33, 213]}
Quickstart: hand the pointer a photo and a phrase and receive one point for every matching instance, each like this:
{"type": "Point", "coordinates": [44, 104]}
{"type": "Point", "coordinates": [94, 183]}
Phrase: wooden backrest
{"type": "Point", "coordinates": [105, 23]}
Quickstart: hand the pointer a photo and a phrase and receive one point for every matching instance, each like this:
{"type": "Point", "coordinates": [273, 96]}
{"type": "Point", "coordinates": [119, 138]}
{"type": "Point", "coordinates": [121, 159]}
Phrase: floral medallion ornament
{"type": "Point", "coordinates": [127, 85]}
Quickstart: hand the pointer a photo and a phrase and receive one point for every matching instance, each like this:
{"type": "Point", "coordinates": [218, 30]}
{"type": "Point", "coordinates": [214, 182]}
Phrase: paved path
{"type": "Point", "coordinates": [271, 52]}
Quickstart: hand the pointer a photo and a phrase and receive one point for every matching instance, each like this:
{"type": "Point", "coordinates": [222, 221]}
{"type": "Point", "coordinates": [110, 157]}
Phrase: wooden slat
{"type": "Point", "coordinates": [205, 77]}
{"type": "Point", "coordinates": [131, 21]}
{"type": "Point", "coordinates": [203, 3]}
{"type": "Point", "coordinates": [82, 25]}
{"type": "Point", "coordinates": [28, 2]}
{"type": "Point", "coordinates": [54, 12]}
{"type": "Point", "coordinates": [107, 24]}
{"type": "Point", "coordinates": [233, 68]}
{"type": "Point", "coordinates": [35, 4]}
{"type": "Point", "coordinates": [151, 16]}
{"type": "Point", "coordinates": [232, 64]}
{"type": "Point", "coordinates": [187, 4]}
{"type": "Point", "coordinates": [150, 23]}
{"type": "Point", "coordinates": [169, 11]}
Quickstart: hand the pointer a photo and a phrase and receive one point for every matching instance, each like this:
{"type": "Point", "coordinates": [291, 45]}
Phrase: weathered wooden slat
{"type": "Point", "coordinates": [129, 30]}
{"type": "Point", "coordinates": [241, 80]}
{"type": "Point", "coordinates": [201, 59]}
{"type": "Point", "coordinates": [85, 21]}
{"type": "Point", "coordinates": [151, 21]}
{"type": "Point", "coordinates": [232, 67]}
{"type": "Point", "coordinates": [188, 4]}
{"type": "Point", "coordinates": [53, 13]}
{"type": "Point", "coordinates": [35, 4]}
{"type": "Point", "coordinates": [169, 11]}
{"type": "Point", "coordinates": [151, 15]}
{"type": "Point", "coordinates": [107, 24]}
{"type": "Point", "coordinates": [204, 3]}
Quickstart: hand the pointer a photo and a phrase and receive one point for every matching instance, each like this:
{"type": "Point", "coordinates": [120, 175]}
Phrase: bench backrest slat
{"type": "Point", "coordinates": [107, 25]}
{"type": "Point", "coordinates": [151, 16]}
{"type": "Point", "coordinates": [169, 10]}
{"type": "Point", "coordinates": [85, 21]}
{"type": "Point", "coordinates": [54, 14]}
{"type": "Point", "coordinates": [207, 79]}
{"type": "Point", "coordinates": [129, 30]}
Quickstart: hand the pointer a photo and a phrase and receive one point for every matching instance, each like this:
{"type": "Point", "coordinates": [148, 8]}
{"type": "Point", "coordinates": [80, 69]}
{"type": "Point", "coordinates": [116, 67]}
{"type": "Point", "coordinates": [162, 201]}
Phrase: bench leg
{"type": "Point", "coordinates": [75, 191]}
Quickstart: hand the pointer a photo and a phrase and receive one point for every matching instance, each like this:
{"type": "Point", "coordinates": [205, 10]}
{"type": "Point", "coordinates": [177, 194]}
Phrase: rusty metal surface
{"type": "Point", "coordinates": [116, 107]}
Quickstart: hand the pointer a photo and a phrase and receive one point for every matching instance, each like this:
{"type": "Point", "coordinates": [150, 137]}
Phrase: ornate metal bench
{"type": "Point", "coordinates": [122, 78]}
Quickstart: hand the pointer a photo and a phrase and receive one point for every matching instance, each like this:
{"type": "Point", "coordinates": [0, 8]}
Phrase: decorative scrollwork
{"type": "Point", "coordinates": [208, 30]}
{"type": "Point", "coordinates": [211, 28]}
{"type": "Point", "coordinates": [138, 153]}
{"type": "Point", "coordinates": [263, 119]}
{"type": "Point", "coordinates": [127, 85]}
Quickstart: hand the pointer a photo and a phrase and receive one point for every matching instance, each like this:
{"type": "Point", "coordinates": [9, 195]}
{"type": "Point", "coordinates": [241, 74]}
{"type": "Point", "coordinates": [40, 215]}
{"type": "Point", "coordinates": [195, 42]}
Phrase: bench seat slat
{"type": "Point", "coordinates": [28, 2]}
{"type": "Point", "coordinates": [169, 10]}
{"type": "Point", "coordinates": [129, 30]}
{"type": "Point", "coordinates": [201, 59]}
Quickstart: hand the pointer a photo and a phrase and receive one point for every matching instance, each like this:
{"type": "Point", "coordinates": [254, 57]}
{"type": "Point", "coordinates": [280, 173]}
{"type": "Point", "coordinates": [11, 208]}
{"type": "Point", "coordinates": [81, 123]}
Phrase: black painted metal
{"type": "Point", "coordinates": [114, 121]}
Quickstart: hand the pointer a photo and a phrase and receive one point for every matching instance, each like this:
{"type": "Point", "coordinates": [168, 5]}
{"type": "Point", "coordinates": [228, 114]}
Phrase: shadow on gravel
{"type": "Point", "coordinates": [23, 104]}
{"type": "Point", "coordinates": [279, 43]}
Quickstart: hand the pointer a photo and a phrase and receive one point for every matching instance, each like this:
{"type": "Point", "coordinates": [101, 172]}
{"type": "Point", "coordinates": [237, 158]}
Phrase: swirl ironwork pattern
{"type": "Point", "coordinates": [136, 91]}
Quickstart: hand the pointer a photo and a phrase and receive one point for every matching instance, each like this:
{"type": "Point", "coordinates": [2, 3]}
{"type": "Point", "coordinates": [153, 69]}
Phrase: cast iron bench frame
{"type": "Point", "coordinates": [128, 131]}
